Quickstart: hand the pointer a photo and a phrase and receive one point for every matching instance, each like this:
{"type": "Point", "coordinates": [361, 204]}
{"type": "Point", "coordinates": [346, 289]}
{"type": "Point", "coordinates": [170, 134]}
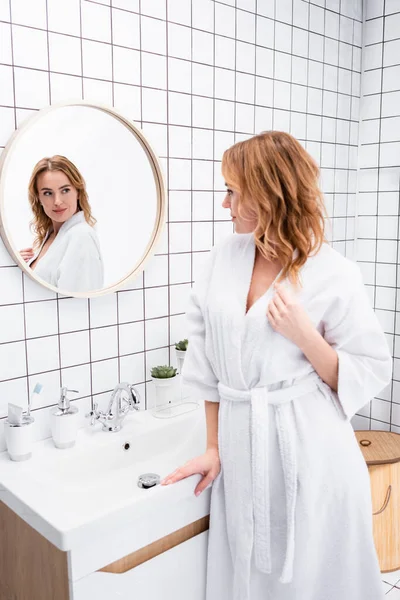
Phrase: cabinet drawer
{"type": "Point", "coordinates": [178, 574]}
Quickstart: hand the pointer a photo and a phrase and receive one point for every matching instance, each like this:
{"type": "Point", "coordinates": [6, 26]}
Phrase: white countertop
{"type": "Point", "coordinates": [68, 495]}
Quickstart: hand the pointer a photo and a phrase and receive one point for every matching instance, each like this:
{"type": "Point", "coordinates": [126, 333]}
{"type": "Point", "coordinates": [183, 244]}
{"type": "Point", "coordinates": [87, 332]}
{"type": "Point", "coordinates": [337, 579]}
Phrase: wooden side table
{"type": "Point", "coordinates": [381, 450]}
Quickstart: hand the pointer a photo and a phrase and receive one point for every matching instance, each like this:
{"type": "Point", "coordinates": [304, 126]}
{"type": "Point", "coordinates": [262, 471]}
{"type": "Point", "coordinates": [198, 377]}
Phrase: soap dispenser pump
{"type": "Point", "coordinates": [64, 421]}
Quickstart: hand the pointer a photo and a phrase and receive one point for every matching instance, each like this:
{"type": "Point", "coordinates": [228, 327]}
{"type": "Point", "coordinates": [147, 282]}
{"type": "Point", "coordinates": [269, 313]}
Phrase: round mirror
{"type": "Point", "coordinates": [82, 199]}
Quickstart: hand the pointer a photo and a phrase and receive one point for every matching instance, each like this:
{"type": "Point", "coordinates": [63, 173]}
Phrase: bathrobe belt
{"type": "Point", "coordinates": [259, 397]}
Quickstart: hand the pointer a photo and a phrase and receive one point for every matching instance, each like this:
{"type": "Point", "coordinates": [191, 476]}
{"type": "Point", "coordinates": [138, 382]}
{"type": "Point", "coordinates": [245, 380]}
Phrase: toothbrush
{"type": "Point", "coordinates": [36, 391]}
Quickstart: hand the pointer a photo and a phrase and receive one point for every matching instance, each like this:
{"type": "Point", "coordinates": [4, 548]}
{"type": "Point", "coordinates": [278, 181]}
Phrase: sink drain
{"type": "Point", "coordinates": [148, 480]}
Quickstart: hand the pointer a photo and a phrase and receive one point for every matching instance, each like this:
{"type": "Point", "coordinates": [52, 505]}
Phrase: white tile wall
{"type": "Point", "coordinates": [377, 229]}
{"type": "Point", "coordinates": [197, 75]}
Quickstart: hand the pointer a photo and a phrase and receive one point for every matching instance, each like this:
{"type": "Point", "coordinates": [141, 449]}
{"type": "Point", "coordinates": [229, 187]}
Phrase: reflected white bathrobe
{"type": "Point", "coordinates": [291, 512]}
{"type": "Point", "coordinates": [73, 262]}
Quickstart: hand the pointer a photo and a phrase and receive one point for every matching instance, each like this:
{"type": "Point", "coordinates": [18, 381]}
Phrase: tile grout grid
{"type": "Point", "coordinates": [323, 100]}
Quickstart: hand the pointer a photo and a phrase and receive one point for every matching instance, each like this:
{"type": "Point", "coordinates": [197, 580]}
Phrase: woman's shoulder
{"type": "Point", "coordinates": [82, 228]}
{"type": "Point", "coordinates": [332, 265]}
{"type": "Point", "coordinates": [83, 236]}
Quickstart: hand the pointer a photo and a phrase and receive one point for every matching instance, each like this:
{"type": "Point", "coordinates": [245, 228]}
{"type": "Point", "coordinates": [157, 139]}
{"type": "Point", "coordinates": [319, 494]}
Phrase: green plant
{"type": "Point", "coordinates": [163, 372]}
{"type": "Point", "coordinates": [182, 345]}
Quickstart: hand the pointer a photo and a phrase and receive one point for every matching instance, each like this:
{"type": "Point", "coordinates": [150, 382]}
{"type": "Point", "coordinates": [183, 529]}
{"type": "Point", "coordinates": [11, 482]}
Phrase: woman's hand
{"type": "Point", "coordinates": [288, 318]}
{"type": "Point", "coordinates": [27, 254]}
{"type": "Point", "coordinates": [207, 464]}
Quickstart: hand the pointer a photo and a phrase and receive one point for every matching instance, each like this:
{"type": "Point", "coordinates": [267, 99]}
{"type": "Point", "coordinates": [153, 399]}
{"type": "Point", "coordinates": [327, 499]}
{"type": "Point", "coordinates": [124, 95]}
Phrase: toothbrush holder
{"type": "Point", "coordinates": [19, 438]}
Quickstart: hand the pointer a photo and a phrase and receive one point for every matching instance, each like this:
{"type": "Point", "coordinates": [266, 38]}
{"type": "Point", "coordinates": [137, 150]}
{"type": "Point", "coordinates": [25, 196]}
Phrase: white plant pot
{"type": "Point", "coordinates": [163, 390]}
{"type": "Point", "coordinates": [180, 355]}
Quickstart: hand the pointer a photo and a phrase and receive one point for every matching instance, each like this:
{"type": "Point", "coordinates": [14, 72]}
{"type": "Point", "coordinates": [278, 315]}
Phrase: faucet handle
{"type": "Point", "coordinates": [93, 414]}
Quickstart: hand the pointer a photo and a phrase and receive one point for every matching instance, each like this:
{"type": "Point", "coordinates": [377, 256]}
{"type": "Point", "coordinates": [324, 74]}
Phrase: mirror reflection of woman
{"type": "Point", "coordinates": [66, 251]}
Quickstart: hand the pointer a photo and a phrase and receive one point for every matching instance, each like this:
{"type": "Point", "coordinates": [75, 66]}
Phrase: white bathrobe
{"type": "Point", "coordinates": [73, 262]}
{"type": "Point", "coordinates": [291, 511]}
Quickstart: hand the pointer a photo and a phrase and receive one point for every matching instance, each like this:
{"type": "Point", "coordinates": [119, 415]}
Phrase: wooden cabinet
{"type": "Point", "coordinates": [170, 568]}
{"type": "Point", "coordinates": [31, 568]}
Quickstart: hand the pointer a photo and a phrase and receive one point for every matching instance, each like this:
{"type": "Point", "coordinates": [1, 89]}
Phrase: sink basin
{"type": "Point", "coordinates": [104, 457]}
{"type": "Point", "coordinates": [67, 494]}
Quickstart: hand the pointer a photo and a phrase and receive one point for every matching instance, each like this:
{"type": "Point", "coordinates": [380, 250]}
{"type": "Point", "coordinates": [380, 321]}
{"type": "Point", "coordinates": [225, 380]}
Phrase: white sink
{"type": "Point", "coordinates": [75, 494]}
{"type": "Point", "coordinates": [101, 458]}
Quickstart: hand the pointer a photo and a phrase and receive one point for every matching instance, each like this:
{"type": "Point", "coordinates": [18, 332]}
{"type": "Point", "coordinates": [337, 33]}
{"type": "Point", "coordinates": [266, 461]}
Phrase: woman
{"type": "Point", "coordinates": [284, 347]}
{"type": "Point", "coordinates": [66, 250]}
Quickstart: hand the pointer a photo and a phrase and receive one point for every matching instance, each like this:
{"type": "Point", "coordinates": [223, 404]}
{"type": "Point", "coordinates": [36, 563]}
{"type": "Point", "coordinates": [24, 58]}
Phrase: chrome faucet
{"type": "Point", "coordinates": [113, 418]}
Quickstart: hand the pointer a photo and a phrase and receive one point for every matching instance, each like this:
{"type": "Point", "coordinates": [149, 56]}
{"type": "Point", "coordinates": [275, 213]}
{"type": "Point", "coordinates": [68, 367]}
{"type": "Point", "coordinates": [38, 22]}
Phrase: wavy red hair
{"type": "Point", "coordinates": [278, 185]}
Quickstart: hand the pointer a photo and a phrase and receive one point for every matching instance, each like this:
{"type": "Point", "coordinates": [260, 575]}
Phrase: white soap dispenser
{"type": "Point", "coordinates": [64, 421]}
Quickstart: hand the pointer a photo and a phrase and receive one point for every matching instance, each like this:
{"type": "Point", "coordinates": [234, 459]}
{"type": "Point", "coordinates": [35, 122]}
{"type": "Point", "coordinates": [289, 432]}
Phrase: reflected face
{"type": "Point", "coordinates": [57, 195]}
{"type": "Point", "coordinates": [244, 224]}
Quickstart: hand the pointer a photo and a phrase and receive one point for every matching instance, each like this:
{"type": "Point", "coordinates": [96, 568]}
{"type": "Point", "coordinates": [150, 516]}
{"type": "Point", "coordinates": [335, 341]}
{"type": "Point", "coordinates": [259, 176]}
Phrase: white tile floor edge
{"type": "Point", "coordinates": [393, 578]}
{"type": "Point", "coordinates": [389, 581]}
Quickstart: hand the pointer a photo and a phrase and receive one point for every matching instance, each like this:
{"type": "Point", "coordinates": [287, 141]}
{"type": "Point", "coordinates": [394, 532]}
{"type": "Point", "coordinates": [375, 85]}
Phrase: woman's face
{"type": "Point", "coordinates": [244, 224]}
{"type": "Point", "coordinates": [58, 197]}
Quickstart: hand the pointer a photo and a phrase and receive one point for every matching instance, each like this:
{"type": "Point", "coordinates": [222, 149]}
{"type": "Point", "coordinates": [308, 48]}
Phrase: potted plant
{"type": "Point", "coordinates": [180, 349]}
{"type": "Point", "coordinates": [163, 377]}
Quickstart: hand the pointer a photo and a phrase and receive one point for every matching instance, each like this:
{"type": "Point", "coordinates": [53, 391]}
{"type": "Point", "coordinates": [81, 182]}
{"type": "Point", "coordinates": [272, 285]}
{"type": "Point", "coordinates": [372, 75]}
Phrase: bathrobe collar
{"type": "Point", "coordinates": [77, 218]}
{"type": "Point", "coordinates": [249, 322]}
{"type": "Point", "coordinates": [243, 284]}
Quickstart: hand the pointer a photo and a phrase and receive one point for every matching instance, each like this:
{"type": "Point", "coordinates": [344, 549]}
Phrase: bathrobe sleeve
{"type": "Point", "coordinates": [81, 268]}
{"type": "Point", "coordinates": [197, 370]}
{"type": "Point", "coordinates": [353, 330]}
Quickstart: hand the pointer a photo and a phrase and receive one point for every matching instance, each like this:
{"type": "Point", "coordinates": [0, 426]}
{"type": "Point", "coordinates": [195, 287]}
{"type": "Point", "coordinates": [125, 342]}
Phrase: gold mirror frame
{"type": "Point", "coordinates": [160, 187]}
